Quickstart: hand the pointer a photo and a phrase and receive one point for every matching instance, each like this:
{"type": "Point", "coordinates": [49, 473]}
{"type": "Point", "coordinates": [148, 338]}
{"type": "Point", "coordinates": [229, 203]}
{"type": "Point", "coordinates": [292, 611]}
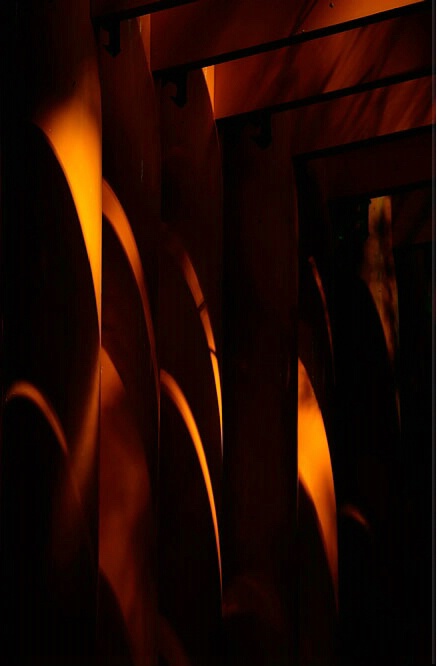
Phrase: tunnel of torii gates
{"type": "Point", "coordinates": [217, 308]}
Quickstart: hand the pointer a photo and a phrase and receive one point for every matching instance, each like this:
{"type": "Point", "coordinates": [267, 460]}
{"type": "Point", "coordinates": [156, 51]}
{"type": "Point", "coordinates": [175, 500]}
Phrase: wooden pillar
{"type": "Point", "coordinates": [260, 394]}
{"type": "Point", "coordinates": [190, 471]}
{"type": "Point", "coordinates": [127, 627]}
{"type": "Point", "coordinates": [51, 284]}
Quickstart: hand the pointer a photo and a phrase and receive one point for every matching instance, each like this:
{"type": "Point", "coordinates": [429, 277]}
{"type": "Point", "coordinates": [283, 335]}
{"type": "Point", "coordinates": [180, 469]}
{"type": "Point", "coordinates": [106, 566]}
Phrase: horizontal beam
{"type": "Point", "coordinates": [376, 55]}
{"type": "Point", "coordinates": [375, 167]}
{"type": "Point", "coordinates": [396, 108]}
{"type": "Point", "coordinates": [119, 10]}
{"type": "Point", "coordinates": [212, 31]}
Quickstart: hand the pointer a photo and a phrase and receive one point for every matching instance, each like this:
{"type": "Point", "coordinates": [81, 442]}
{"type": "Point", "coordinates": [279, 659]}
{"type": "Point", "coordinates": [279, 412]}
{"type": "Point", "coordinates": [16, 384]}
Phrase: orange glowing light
{"type": "Point", "coordinates": [176, 249]}
{"type": "Point", "coordinates": [174, 392]}
{"type": "Point", "coordinates": [319, 283]}
{"type": "Point", "coordinates": [378, 272]}
{"type": "Point", "coordinates": [72, 128]}
{"type": "Point", "coordinates": [26, 390]}
{"type": "Point", "coordinates": [209, 74]}
{"type": "Point", "coordinates": [315, 470]}
{"type": "Point", "coordinates": [216, 371]}
{"type": "Point", "coordinates": [114, 213]}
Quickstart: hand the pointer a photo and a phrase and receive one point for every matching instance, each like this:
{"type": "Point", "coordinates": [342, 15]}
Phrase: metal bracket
{"type": "Point", "coordinates": [112, 27]}
{"type": "Point", "coordinates": [264, 138]}
{"type": "Point", "coordinates": [179, 79]}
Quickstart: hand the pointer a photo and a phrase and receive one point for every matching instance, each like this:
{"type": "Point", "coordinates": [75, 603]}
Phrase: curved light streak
{"type": "Point", "coordinates": [175, 247]}
{"type": "Point", "coordinates": [72, 127]}
{"type": "Point", "coordinates": [26, 390]}
{"type": "Point", "coordinates": [174, 392]}
{"type": "Point", "coordinates": [114, 213]}
{"type": "Point", "coordinates": [319, 283]}
{"type": "Point", "coordinates": [378, 272]}
{"type": "Point", "coordinates": [315, 471]}
{"type": "Point", "coordinates": [73, 130]}
{"type": "Point", "coordinates": [209, 75]}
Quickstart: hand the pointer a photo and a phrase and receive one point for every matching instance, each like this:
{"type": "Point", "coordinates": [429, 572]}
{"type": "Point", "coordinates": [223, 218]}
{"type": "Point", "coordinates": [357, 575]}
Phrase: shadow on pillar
{"type": "Point", "coordinates": [367, 471]}
{"type": "Point", "coordinates": [48, 505]}
{"type": "Point", "coordinates": [317, 606]}
{"type": "Point", "coordinates": [189, 584]}
{"type": "Point", "coordinates": [46, 612]}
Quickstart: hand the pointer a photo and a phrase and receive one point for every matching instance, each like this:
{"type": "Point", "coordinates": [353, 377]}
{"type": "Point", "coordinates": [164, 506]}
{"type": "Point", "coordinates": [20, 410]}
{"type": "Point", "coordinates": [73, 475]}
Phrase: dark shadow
{"type": "Point", "coordinates": [188, 575]}
{"type": "Point", "coordinates": [358, 593]}
{"type": "Point", "coordinates": [112, 638]}
{"type": "Point", "coordinates": [51, 332]}
{"type": "Point", "coordinates": [367, 460]}
{"type": "Point", "coordinates": [47, 599]}
{"type": "Point", "coordinates": [317, 610]}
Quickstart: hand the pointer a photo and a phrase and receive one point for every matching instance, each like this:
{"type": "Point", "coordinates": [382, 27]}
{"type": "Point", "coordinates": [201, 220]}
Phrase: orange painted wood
{"type": "Point", "coordinates": [129, 396]}
{"type": "Point", "coordinates": [375, 168]}
{"type": "Point", "coordinates": [215, 30]}
{"type": "Point", "coordinates": [189, 292]}
{"type": "Point", "coordinates": [260, 368]}
{"type": "Point", "coordinates": [395, 108]}
{"type": "Point", "coordinates": [364, 57]}
{"type": "Point", "coordinates": [192, 213]}
{"type": "Point", "coordinates": [51, 232]}
{"type": "Point", "coordinates": [413, 217]}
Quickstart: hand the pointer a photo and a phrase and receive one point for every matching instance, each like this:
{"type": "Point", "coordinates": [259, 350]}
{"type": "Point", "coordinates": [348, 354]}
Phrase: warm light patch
{"type": "Point", "coordinates": [144, 26]}
{"type": "Point", "coordinates": [209, 74]}
{"type": "Point", "coordinates": [174, 392]}
{"type": "Point", "coordinates": [378, 272]}
{"type": "Point", "coordinates": [30, 392]}
{"type": "Point", "coordinates": [175, 248]}
{"type": "Point", "coordinates": [315, 471]}
{"type": "Point", "coordinates": [72, 127]}
{"type": "Point", "coordinates": [114, 213]}
{"type": "Point", "coordinates": [216, 371]}
{"type": "Point", "coordinates": [66, 515]}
